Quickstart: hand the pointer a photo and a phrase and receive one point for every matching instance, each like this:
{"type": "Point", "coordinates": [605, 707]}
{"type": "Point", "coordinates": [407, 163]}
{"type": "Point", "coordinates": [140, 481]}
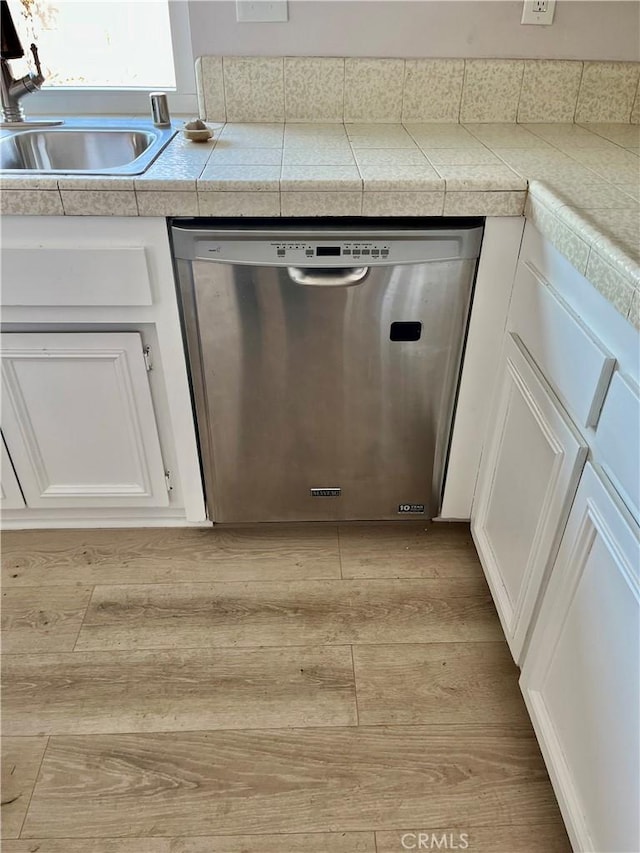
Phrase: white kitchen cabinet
{"type": "Point", "coordinates": [75, 275]}
{"type": "Point", "coordinates": [10, 492]}
{"type": "Point", "coordinates": [581, 674]}
{"type": "Point", "coordinates": [96, 275]}
{"type": "Point", "coordinates": [530, 468]}
{"type": "Point", "coordinates": [78, 420]}
{"type": "Point", "coordinates": [572, 359]}
{"type": "Point", "coordinates": [616, 441]}
{"type": "Point", "coordinates": [563, 564]}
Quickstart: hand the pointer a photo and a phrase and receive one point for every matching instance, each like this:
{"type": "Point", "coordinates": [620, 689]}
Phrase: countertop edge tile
{"type": "Point", "coordinates": [403, 202]}
{"type": "Point", "coordinates": [31, 202]}
{"type": "Point", "coordinates": [559, 234]}
{"type": "Point", "coordinates": [617, 288]}
{"type": "Point", "coordinates": [321, 203]}
{"type": "Point", "coordinates": [252, 186]}
{"type": "Point", "coordinates": [99, 202]}
{"type": "Point", "coordinates": [176, 184]}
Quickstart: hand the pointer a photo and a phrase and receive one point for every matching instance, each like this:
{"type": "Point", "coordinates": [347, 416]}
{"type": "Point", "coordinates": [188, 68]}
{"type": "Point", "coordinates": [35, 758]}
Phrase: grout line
{"type": "Point", "coordinates": [404, 88]}
{"type": "Point", "coordinates": [33, 787]}
{"type": "Point", "coordinates": [344, 93]}
{"type": "Point", "coordinates": [339, 551]}
{"type": "Point", "coordinates": [355, 686]}
{"type": "Point", "coordinates": [224, 88]}
{"type": "Point", "coordinates": [285, 118]}
{"type": "Point", "coordinates": [575, 108]}
{"type": "Point", "coordinates": [636, 99]}
{"type": "Point", "coordinates": [522, 72]}
{"type": "Point", "coordinates": [461, 91]}
{"type": "Point", "coordinates": [464, 82]}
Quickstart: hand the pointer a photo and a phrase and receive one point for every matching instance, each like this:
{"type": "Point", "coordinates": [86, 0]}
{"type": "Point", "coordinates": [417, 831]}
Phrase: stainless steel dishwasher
{"type": "Point", "coordinates": [324, 362]}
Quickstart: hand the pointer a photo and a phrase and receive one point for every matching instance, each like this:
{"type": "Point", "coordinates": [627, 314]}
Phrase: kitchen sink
{"type": "Point", "coordinates": [114, 147]}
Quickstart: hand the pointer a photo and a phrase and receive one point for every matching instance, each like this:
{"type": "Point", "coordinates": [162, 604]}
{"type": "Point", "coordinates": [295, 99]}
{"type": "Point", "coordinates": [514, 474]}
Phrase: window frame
{"type": "Point", "coordinates": [63, 100]}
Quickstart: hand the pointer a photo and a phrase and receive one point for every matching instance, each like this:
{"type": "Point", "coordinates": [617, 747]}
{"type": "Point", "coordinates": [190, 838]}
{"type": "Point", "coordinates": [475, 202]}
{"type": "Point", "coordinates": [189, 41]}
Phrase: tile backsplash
{"type": "Point", "coordinates": [549, 91]}
{"type": "Point", "coordinates": [253, 88]}
{"type": "Point", "coordinates": [328, 89]}
{"type": "Point", "coordinates": [607, 92]}
{"type": "Point", "coordinates": [491, 90]}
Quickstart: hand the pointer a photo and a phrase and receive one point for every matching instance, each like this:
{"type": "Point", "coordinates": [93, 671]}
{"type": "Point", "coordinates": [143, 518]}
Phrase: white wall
{"type": "Point", "coordinates": [582, 29]}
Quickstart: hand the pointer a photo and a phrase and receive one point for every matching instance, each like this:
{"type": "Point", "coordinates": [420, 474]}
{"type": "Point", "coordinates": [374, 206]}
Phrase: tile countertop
{"type": "Point", "coordinates": [583, 183]}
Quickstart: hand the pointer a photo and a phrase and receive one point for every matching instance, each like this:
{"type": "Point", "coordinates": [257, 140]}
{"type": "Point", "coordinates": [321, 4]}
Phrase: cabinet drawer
{"type": "Point", "coordinates": [75, 276]}
{"type": "Point", "coordinates": [617, 443]}
{"type": "Point", "coordinates": [572, 360]}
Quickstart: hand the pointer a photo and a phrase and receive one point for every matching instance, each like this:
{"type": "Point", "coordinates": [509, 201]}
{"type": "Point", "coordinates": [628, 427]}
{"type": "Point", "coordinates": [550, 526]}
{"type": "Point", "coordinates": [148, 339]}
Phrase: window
{"type": "Point", "coordinates": [106, 55]}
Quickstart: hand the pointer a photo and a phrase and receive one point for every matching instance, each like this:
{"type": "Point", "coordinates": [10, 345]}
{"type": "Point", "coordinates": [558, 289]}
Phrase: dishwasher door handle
{"type": "Point", "coordinates": [328, 277]}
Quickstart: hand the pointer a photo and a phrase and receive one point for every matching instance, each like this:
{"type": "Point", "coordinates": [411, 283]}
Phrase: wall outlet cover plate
{"type": "Point", "coordinates": [538, 12]}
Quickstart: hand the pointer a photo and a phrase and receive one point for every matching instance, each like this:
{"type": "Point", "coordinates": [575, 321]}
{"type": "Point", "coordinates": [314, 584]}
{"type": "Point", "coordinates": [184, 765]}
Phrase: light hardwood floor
{"type": "Point", "coordinates": [273, 690]}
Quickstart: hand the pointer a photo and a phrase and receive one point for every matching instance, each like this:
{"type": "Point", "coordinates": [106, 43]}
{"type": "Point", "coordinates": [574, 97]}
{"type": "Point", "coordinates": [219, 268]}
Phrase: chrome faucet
{"type": "Point", "coordinates": [13, 90]}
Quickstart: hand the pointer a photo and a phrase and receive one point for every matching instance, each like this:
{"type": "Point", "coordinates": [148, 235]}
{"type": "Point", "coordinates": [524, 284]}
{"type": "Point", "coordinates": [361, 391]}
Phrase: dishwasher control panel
{"type": "Point", "coordinates": [318, 254]}
{"type": "Point", "coordinates": [328, 250]}
{"type": "Point", "coordinates": [312, 253]}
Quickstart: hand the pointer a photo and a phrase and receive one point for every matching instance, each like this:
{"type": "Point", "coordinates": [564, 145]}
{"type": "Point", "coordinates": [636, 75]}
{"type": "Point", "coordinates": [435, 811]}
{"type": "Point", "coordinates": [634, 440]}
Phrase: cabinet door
{"type": "Point", "coordinates": [529, 471]}
{"type": "Point", "coordinates": [10, 492]}
{"type": "Point", "coordinates": [78, 420]}
{"type": "Point", "coordinates": [581, 673]}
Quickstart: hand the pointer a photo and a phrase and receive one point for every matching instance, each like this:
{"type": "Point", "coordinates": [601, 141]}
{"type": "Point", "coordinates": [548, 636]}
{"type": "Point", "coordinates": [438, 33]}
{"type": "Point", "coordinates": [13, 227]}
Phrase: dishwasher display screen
{"type": "Point", "coordinates": [325, 251]}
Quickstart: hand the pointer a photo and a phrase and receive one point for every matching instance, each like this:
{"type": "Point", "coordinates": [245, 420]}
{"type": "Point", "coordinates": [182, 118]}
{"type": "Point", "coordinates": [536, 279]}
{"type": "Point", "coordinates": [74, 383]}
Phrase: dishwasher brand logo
{"type": "Point", "coordinates": [325, 493]}
{"type": "Point", "coordinates": [410, 508]}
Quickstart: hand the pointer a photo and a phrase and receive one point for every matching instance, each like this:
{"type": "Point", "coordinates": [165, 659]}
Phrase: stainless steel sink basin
{"type": "Point", "coordinates": [116, 147]}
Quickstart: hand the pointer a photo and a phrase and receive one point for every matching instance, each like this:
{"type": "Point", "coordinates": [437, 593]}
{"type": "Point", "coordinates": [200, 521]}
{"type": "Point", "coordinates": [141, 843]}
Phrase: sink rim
{"type": "Point", "coordinates": [160, 138]}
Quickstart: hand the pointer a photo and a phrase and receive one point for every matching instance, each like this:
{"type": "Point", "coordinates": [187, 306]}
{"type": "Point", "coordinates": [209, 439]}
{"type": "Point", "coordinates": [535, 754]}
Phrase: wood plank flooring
{"type": "Point", "coordinates": [298, 689]}
{"type": "Point", "coordinates": [296, 613]}
{"type": "Point", "coordinates": [267, 781]}
{"type": "Point", "coordinates": [192, 690]}
{"type": "Point", "coordinates": [21, 759]}
{"type": "Point", "coordinates": [34, 558]}
{"type": "Point", "coordinates": [405, 552]}
{"type": "Point", "coordinates": [437, 683]}
{"type": "Point", "coordinates": [42, 619]}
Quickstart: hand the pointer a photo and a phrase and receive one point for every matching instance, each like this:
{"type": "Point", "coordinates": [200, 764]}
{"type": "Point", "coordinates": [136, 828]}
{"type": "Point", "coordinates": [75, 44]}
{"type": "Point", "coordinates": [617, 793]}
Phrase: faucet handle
{"type": "Point", "coordinates": [36, 59]}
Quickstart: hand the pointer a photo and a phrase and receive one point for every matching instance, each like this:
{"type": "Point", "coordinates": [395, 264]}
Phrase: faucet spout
{"type": "Point", "coordinates": [13, 90]}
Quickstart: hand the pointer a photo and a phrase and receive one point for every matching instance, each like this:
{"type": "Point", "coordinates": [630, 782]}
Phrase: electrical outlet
{"type": "Point", "coordinates": [538, 12]}
{"type": "Point", "coordinates": [262, 11]}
